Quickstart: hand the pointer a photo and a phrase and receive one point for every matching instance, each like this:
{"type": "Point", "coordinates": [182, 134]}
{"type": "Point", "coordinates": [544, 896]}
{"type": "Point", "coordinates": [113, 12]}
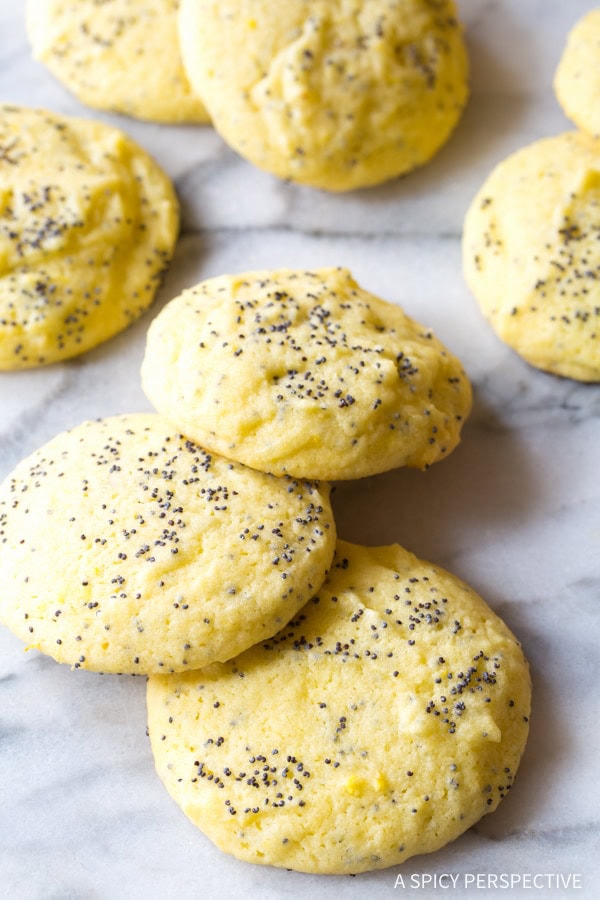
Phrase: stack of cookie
{"type": "Point", "coordinates": [531, 238]}
{"type": "Point", "coordinates": [312, 704]}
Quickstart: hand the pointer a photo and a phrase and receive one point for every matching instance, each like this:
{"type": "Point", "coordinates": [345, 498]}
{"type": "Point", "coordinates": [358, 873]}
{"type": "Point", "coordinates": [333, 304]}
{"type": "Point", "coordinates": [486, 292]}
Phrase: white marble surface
{"type": "Point", "coordinates": [515, 511]}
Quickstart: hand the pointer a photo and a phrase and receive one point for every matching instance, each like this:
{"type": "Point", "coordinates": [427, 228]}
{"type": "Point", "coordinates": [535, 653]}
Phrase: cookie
{"type": "Point", "coordinates": [532, 256]}
{"type": "Point", "coordinates": [387, 718]}
{"type": "Point", "coordinates": [88, 224]}
{"type": "Point", "coordinates": [305, 374]}
{"type": "Point", "coordinates": [118, 55]}
{"type": "Point", "coordinates": [577, 78]}
{"type": "Point", "coordinates": [337, 96]}
{"type": "Point", "coordinates": [124, 547]}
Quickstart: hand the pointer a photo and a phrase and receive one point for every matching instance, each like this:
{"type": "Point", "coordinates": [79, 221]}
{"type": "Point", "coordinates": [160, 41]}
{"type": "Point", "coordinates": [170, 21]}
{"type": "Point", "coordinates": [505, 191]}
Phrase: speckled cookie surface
{"type": "Point", "coordinates": [337, 95]}
{"type": "Point", "coordinates": [126, 548]}
{"type": "Point", "coordinates": [532, 255]}
{"type": "Point", "coordinates": [88, 223]}
{"type": "Point", "coordinates": [382, 722]}
{"type": "Point", "coordinates": [304, 373]}
{"type": "Point", "coordinates": [577, 79]}
{"type": "Point", "coordinates": [119, 55]}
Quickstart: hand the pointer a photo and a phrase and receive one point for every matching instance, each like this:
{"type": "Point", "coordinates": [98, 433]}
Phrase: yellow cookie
{"type": "Point", "coordinates": [382, 722]}
{"type": "Point", "coordinates": [305, 374]}
{"type": "Point", "coordinates": [124, 547]}
{"type": "Point", "coordinates": [120, 55]}
{"type": "Point", "coordinates": [88, 223]}
{"type": "Point", "coordinates": [337, 94]}
{"type": "Point", "coordinates": [577, 79]}
{"type": "Point", "coordinates": [532, 254]}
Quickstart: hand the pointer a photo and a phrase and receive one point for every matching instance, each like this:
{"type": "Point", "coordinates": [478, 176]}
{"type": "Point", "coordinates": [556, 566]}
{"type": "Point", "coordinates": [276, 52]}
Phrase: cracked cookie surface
{"type": "Point", "coordinates": [531, 253]}
{"type": "Point", "coordinates": [125, 547]}
{"type": "Point", "coordinates": [337, 94]}
{"type": "Point", "coordinates": [304, 373]}
{"type": "Point", "coordinates": [88, 224]}
{"type": "Point", "coordinates": [387, 718]}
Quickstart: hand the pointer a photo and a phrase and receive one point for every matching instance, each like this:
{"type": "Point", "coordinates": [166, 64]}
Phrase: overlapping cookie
{"type": "Point", "coordinates": [306, 374]}
{"type": "Point", "coordinates": [119, 55]}
{"type": "Point", "coordinates": [329, 94]}
{"type": "Point", "coordinates": [124, 547]}
{"type": "Point", "coordinates": [88, 223]}
{"type": "Point", "coordinates": [531, 253]}
{"type": "Point", "coordinates": [577, 78]}
{"type": "Point", "coordinates": [382, 722]}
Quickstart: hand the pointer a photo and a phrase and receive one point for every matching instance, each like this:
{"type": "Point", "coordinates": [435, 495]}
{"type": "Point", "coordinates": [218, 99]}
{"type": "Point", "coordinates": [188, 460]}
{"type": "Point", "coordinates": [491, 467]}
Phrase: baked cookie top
{"type": "Point", "coordinates": [337, 94]}
{"type": "Point", "coordinates": [577, 78]}
{"type": "Point", "coordinates": [304, 373]}
{"type": "Point", "coordinates": [119, 55]}
{"type": "Point", "coordinates": [531, 253]}
{"type": "Point", "coordinates": [88, 223]}
{"type": "Point", "coordinates": [124, 547]}
{"type": "Point", "coordinates": [382, 722]}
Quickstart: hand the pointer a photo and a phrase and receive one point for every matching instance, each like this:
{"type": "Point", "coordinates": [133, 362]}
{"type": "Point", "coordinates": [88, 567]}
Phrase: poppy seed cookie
{"type": "Point", "coordinates": [532, 255]}
{"type": "Point", "coordinates": [124, 547]}
{"type": "Point", "coordinates": [88, 224]}
{"type": "Point", "coordinates": [118, 55]}
{"type": "Point", "coordinates": [306, 374]}
{"type": "Point", "coordinates": [337, 94]}
{"type": "Point", "coordinates": [577, 78]}
{"type": "Point", "coordinates": [384, 720]}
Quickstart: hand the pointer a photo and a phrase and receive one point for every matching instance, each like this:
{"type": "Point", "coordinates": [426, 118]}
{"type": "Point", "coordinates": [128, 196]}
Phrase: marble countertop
{"type": "Point", "coordinates": [515, 511]}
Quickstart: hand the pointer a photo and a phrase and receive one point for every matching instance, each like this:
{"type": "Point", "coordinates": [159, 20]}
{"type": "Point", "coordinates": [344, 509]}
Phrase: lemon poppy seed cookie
{"type": "Point", "coordinates": [532, 255]}
{"type": "Point", "coordinates": [88, 223]}
{"type": "Point", "coordinates": [127, 548]}
{"type": "Point", "coordinates": [119, 55]}
{"type": "Point", "coordinates": [306, 374]}
{"type": "Point", "coordinates": [382, 722]}
{"type": "Point", "coordinates": [577, 78]}
{"type": "Point", "coordinates": [337, 94]}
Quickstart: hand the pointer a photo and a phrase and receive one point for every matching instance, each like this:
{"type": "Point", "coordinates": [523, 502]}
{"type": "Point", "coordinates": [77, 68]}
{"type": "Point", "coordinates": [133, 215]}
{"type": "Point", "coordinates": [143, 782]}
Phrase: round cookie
{"type": "Point", "coordinates": [124, 547]}
{"type": "Point", "coordinates": [577, 78]}
{"type": "Point", "coordinates": [119, 55]}
{"type": "Point", "coordinates": [382, 722]}
{"type": "Point", "coordinates": [337, 95]}
{"type": "Point", "coordinates": [306, 374]}
{"type": "Point", "coordinates": [532, 256]}
{"type": "Point", "coordinates": [88, 223]}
